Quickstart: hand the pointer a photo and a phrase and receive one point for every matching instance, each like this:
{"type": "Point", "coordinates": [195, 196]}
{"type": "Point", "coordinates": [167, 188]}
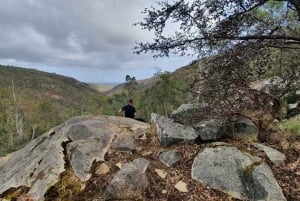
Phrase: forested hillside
{"type": "Point", "coordinates": [31, 102]}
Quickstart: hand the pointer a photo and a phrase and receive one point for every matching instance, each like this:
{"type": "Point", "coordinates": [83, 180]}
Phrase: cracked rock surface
{"type": "Point", "coordinates": [237, 173]}
{"type": "Point", "coordinates": [81, 140]}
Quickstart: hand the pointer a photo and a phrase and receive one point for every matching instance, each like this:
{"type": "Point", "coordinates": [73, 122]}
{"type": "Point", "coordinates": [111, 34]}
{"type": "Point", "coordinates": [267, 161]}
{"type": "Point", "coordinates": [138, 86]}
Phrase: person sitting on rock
{"type": "Point", "coordinates": [129, 110]}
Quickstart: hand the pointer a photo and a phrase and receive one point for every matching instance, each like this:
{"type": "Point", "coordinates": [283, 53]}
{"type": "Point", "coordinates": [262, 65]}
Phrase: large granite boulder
{"type": "Point", "coordinates": [170, 132]}
{"type": "Point", "coordinates": [78, 142]}
{"type": "Point", "coordinates": [239, 174]}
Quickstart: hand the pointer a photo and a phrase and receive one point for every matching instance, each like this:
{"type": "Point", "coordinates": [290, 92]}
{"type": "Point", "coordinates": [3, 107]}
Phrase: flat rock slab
{"type": "Point", "coordinates": [170, 133]}
{"type": "Point", "coordinates": [81, 140]}
{"type": "Point", "coordinates": [275, 156]}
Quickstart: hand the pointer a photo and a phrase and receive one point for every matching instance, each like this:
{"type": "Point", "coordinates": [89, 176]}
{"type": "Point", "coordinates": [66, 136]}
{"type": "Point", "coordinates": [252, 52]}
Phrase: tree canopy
{"type": "Point", "coordinates": [240, 42]}
{"type": "Point", "coordinates": [210, 26]}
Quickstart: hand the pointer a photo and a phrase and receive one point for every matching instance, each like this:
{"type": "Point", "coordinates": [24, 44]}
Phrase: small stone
{"type": "Point", "coordinates": [170, 157]}
{"type": "Point", "coordinates": [182, 187]}
{"type": "Point", "coordinates": [119, 165]}
{"type": "Point", "coordinates": [139, 149]}
{"type": "Point", "coordinates": [161, 173]}
{"type": "Point", "coordinates": [103, 169]}
{"type": "Point", "coordinates": [296, 145]}
{"type": "Point", "coordinates": [147, 153]}
{"type": "Point", "coordinates": [164, 192]}
{"type": "Point", "coordinates": [285, 145]}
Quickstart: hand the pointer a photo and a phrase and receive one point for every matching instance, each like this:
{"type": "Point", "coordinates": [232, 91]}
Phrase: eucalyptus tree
{"type": "Point", "coordinates": [239, 42]}
{"type": "Point", "coordinates": [130, 85]}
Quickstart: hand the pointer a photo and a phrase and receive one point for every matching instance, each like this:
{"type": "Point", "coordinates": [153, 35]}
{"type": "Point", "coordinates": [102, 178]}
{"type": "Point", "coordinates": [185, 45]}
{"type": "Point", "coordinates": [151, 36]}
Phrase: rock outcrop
{"type": "Point", "coordinates": [88, 150]}
{"type": "Point", "coordinates": [79, 142]}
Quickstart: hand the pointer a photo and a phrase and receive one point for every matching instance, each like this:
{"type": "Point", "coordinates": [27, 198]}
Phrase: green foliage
{"type": "Point", "coordinates": [43, 99]}
{"type": "Point", "coordinates": [292, 125]}
{"type": "Point", "coordinates": [163, 98]}
{"type": "Point", "coordinates": [131, 86]}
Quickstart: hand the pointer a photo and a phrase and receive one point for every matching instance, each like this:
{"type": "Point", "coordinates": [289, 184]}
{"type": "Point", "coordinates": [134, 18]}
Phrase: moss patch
{"type": "Point", "coordinates": [68, 187]}
{"type": "Point", "coordinates": [14, 193]}
{"type": "Point", "coordinates": [292, 125]}
{"type": "Point", "coordinates": [247, 172]}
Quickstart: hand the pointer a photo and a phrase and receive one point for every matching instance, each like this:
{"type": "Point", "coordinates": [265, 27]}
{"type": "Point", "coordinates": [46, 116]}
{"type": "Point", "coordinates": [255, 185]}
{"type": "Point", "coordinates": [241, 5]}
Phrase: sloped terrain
{"type": "Point", "coordinates": [82, 175]}
{"type": "Point", "coordinates": [34, 84]}
{"type": "Point", "coordinates": [32, 102]}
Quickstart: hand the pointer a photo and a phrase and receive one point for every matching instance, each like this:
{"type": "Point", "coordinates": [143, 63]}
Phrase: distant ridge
{"type": "Point", "coordinates": [186, 73]}
{"type": "Point", "coordinates": [42, 99]}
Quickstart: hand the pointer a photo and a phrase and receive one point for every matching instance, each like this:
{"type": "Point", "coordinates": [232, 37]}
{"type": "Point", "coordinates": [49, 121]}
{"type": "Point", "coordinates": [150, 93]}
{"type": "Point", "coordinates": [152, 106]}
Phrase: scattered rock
{"type": "Point", "coordinates": [103, 169]}
{"type": "Point", "coordinates": [239, 174]}
{"type": "Point", "coordinates": [275, 156]}
{"type": "Point", "coordinates": [263, 186]}
{"type": "Point", "coordinates": [220, 168]}
{"type": "Point", "coordinates": [172, 133]}
{"type": "Point", "coordinates": [141, 164]}
{"type": "Point", "coordinates": [119, 165]}
{"type": "Point", "coordinates": [185, 113]}
{"type": "Point", "coordinates": [217, 144]}
{"type": "Point", "coordinates": [210, 130]}
{"type": "Point", "coordinates": [296, 145]}
{"type": "Point", "coordinates": [164, 192]}
{"type": "Point", "coordinates": [292, 101]}
{"type": "Point", "coordinates": [181, 187]}
{"type": "Point", "coordinates": [170, 157]}
{"type": "Point", "coordinates": [124, 142]}
{"type": "Point", "coordinates": [162, 174]}
{"type": "Point", "coordinates": [241, 128]}
{"type": "Point", "coordinates": [269, 85]}
{"type": "Point", "coordinates": [147, 153]}
{"type": "Point", "coordinates": [129, 183]}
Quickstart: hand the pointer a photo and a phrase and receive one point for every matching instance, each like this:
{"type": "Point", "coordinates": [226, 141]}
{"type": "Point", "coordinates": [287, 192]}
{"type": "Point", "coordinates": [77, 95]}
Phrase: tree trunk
{"type": "Point", "coordinates": [10, 134]}
{"type": "Point", "coordinates": [33, 128]}
{"type": "Point", "coordinates": [18, 114]}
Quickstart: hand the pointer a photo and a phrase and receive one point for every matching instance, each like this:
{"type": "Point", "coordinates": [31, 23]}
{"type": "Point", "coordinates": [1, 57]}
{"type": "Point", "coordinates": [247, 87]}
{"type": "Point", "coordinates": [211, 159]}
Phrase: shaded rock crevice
{"type": "Point", "coordinates": [15, 193]}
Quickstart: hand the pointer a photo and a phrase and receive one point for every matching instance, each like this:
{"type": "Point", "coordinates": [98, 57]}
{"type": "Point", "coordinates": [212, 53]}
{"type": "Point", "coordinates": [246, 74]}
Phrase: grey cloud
{"type": "Point", "coordinates": [96, 35]}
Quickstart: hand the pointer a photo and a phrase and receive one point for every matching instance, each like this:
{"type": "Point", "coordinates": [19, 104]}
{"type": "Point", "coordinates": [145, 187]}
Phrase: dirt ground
{"type": "Point", "coordinates": [159, 189]}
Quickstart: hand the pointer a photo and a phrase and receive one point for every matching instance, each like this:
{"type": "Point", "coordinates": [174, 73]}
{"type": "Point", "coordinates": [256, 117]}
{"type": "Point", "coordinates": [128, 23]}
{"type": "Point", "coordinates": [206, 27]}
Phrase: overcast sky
{"type": "Point", "coordinates": [90, 40]}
